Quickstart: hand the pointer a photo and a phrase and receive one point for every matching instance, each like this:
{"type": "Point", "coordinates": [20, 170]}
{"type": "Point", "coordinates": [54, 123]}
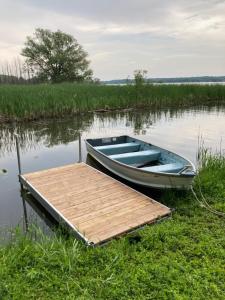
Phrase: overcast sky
{"type": "Point", "coordinates": [167, 38]}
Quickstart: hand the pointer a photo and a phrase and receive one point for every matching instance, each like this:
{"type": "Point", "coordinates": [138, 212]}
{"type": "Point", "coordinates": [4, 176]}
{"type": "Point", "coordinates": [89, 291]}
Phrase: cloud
{"type": "Point", "coordinates": [168, 37]}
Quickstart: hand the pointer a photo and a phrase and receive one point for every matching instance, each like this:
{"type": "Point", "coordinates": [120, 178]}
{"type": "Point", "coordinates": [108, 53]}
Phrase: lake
{"type": "Point", "coordinates": [53, 143]}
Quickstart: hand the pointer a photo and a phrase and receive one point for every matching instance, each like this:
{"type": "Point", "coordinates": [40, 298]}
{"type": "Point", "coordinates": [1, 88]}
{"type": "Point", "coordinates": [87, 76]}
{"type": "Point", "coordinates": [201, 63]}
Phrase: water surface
{"type": "Point", "coordinates": [54, 143]}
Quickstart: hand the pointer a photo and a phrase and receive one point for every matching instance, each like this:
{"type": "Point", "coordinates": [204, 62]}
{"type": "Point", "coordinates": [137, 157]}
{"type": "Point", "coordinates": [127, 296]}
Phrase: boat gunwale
{"type": "Point", "coordinates": [144, 171]}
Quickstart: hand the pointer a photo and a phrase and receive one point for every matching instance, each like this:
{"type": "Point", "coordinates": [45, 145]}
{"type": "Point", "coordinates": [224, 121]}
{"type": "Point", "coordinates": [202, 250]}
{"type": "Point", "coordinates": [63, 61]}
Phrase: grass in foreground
{"type": "Point", "coordinates": [29, 102]}
{"type": "Point", "coordinates": [180, 258]}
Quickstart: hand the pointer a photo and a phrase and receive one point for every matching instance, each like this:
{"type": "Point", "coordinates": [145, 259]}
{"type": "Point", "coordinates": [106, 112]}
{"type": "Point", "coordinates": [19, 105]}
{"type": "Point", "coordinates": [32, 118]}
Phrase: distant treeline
{"type": "Point", "coordinates": [10, 79]}
{"type": "Point", "coordinates": [171, 80]}
{"type": "Point", "coordinates": [17, 72]}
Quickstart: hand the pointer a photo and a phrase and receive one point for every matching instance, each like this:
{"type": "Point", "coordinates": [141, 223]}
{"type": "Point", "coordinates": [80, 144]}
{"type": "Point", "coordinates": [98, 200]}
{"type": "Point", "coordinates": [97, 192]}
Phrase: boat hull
{"type": "Point", "coordinates": [137, 176]}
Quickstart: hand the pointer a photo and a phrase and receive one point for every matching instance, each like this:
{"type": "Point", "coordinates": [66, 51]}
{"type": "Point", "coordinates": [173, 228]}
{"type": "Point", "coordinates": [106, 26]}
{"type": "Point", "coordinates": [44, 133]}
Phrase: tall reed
{"type": "Point", "coordinates": [28, 102]}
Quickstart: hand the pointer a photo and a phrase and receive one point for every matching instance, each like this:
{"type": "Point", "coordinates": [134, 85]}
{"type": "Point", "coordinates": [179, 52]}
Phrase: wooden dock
{"type": "Point", "coordinates": [94, 205]}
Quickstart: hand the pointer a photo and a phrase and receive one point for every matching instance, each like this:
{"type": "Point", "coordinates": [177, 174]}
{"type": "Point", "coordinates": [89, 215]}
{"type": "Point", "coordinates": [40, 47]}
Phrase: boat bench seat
{"type": "Point", "coordinates": [167, 168]}
{"type": "Point", "coordinates": [118, 148]}
{"type": "Point", "coordinates": [140, 157]}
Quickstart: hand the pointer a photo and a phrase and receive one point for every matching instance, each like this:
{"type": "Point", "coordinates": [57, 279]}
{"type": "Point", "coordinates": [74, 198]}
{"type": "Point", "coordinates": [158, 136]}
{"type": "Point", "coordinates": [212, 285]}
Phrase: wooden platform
{"type": "Point", "coordinates": [96, 206]}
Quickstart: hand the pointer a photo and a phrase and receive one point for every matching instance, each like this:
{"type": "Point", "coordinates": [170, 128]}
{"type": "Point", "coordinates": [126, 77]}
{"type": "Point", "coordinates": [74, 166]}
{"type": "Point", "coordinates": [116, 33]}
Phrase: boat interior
{"type": "Point", "coordinates": [136, 153]}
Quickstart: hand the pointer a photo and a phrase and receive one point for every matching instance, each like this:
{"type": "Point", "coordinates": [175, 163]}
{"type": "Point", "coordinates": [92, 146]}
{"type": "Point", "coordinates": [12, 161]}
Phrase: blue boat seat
{"type": "Point", "coordinates": [140, 157]}
{"type": "Point", "coordinates": [167, 168]}
{"type": "Point", "coordinates": [118, 148]}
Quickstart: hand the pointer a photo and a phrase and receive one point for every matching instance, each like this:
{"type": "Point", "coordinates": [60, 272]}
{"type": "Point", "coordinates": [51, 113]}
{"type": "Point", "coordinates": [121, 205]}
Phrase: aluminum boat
{"type": "Point", "coordinates": [142, 163]}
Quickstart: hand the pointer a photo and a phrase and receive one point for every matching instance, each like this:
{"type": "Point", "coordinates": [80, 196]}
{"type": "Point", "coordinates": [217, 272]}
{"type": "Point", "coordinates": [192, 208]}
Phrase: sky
{"type": "Point", "coordinates": [168, 38]}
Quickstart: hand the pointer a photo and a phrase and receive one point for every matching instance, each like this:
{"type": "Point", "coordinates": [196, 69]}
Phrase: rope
{"type": "Point", "coordinates": [205, 204]}
{"type": "Point", "coordinates": [204, 199]}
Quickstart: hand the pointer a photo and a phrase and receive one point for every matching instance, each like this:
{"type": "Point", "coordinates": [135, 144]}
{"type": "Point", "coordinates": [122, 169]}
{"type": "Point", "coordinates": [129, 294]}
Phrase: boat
{"type": "Point", "coordinates": [142, 163]}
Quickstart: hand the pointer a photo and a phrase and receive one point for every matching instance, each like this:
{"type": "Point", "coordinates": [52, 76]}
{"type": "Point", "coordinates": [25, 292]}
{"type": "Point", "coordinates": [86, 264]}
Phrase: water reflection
{"type": "Point", "coordinates": [55, 132]}
{"type": "Point", "coordinates": [23, 196]}
{"type": "Point", "coordinates": [49, 133]}
{"type": "Point", "coordinates": [34, 215]}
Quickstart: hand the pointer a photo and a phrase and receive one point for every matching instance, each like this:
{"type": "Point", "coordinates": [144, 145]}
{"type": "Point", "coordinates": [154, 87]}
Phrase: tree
{"type": "Point", "coordinates": [56, 56]}
{"type": "Point", "coordinates": [140, 77]}
{"type": "Point", "coordinates": [139, 82]}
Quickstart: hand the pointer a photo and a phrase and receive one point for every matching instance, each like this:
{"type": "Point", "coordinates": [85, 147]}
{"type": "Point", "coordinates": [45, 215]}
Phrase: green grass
{"type": "Point", "coordinates": [179, 258]}
{"type": "Point", "coordinates": [29, 102]}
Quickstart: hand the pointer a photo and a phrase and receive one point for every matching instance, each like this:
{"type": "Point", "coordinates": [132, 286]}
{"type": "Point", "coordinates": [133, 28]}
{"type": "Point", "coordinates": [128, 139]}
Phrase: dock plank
{"type": "Point", "coordinates": [97, 206]}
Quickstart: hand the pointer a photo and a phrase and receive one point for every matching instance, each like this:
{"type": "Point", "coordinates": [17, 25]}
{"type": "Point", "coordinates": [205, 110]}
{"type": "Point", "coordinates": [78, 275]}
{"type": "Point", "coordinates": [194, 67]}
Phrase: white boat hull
{"type": "Point", "coordinates": [137, 176]}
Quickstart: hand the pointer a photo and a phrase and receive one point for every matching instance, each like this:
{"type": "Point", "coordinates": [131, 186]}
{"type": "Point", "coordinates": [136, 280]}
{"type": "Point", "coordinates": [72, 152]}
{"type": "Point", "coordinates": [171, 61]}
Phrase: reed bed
{"type": "Point", "coordinates": [29, 102]}
{"type": "Point", "coordinates": [179, 258]}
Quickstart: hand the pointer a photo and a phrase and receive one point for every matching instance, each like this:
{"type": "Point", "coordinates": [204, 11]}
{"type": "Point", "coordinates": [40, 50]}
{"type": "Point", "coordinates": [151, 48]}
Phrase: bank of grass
{"type": "Point", "coordinates": [179, 258]}
{"type": "Point", "coordinates": [29, 102]}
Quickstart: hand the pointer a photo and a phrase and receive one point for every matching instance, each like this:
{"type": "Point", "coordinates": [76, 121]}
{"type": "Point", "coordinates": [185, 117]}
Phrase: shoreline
{"type": "Point", "coordinates": [10, 120]}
